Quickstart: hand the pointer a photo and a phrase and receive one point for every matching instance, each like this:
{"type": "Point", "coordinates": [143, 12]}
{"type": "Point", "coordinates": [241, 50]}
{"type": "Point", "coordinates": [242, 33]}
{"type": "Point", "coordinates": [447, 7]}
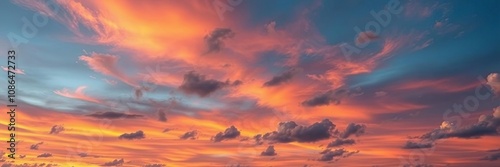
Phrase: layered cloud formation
{"type": "Point", "coordinates": [254, 83]}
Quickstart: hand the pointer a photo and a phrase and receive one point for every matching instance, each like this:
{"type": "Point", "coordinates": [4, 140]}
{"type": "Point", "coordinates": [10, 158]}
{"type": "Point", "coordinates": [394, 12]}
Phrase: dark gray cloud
{"type": "Point", "coordinates": [44, 155]}
{"type": "Point", "coordinates": [138, 93]}
{"type": "Point", "coordinates": [230, 133]}
{"type": "Point", "coordinates": [492, 157]}
{"type": "Point", "coordinates": [116, 162]}
{"type": "Point", "coordinates": [131, 136]}
{"type": "Point", "coordinates": [83, 154]}
{"type": "Point", "coordinates": [329, 155]}
{"type": "Point", "coordinates": [215, 40]}
{"type": "Point", "coordinates": [35, 146]}
{"type": "Point", "coordinates": [113, 115]}
{"type": "Point", "coordinates": [269, 151]}
{"type": "Point", "coordinates": [415, 145]}
{"type": "Point", "coordinates": [56, 129]}
{"type": "Point", "coordinates": [155, 165]}
{"type": "Point", "coordinates": [282, 78]}
{"type": "Point", "coordinates": [195, 83]}
{"type": "Point", "coordinates": [237, 83]}
{"type": "Point", "coordinates": [353, 129]}
{"type": "Point", "coordinates": [258, 139]}
{"type": "Point", "coordinates": [488, 125]}
{"type": "Point", "coordinates": [161, 116]}
{"type": "Point", "coordinates": [167, 130]}
{"type": "Point", "coordinates": [331, 97]}
{"type": "Point", "coordinates": [189, 135]}
{"type": "Point", "coordinates": [290, 132]}
{"type": "Point", "coordinates": [340, 142]}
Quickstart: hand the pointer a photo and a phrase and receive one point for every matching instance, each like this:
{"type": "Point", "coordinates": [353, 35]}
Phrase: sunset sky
{"type": "Point", "coordinates": [253, 83]}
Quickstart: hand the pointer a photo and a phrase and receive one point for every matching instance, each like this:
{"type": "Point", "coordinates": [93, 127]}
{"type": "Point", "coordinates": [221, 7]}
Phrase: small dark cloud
{"type": "Point", "coordinates": [189, 135]}
{"type": "Point", "coordinates": [131, 136]}
{"type": "Point", "coordinates": [167, 130]}
{"type": "Point", "coordinates": [113, 115]}
{"type": "Point", "coordinates": [226, 65]}
{"type": "Point", "coordinates": [83, 154]}
{"type": "Point", "coordinates": [155, 165]}
{"type": "Point", "coordinates": [230, 133]}
{"type": "Point", "coordinates": [44, 155]}
{"type": "Point", "coordinates": [492, 157]}
{"type": "Point", "coordinates": [329, 155]}
{"type": "Point", "coordinates": [340, 142]}
{"type": "Point", "coordinates": [290, 132]}
{"type": "Point", "coordinates": [35, 146]}
{"type": "Point", "coordinates": [116, 162]}
{"type": "Point", "coordinates": [161, 116]}
{"type": "Point", "coordinates": [56, 129]}
{"type": "Point", "coordinates": [215, 40]}
{"type": "Point", "coordinates": [195, 83]}
{"type": "Point", "coordinates": [282, 78]}
{"type": "Point", "coordinates": [353, 129]}
{"type": "Point", "coordinates": [138, 93]}
{"type": "Point", "coordinates": [415, 145]}
{"type": "Point", "coordinates": [237, 83]}
{"type": "Point", "coordinates": [269, 151]}
{"type": "Point", "coordinates": [331, 97]}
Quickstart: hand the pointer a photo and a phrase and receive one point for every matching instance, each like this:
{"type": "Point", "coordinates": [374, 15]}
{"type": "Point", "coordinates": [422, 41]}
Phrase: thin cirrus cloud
{"type": "Point", "coordinates": [77, 94]}
{"type": "Point", "coordinates": [17, 70]}
{"type": "Point", "coordinates": [106, 65]}
{"type": "Point", "coordinates": [113, 115]}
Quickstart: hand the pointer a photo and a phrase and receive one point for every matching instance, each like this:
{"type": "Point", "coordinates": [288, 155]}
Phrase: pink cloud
{"type": "Point", "coordinates": [17, 70]}
{"type": "Point", "coordinates": [77, 94]}
{"type": "Point", "coordinates": [106, 65]}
